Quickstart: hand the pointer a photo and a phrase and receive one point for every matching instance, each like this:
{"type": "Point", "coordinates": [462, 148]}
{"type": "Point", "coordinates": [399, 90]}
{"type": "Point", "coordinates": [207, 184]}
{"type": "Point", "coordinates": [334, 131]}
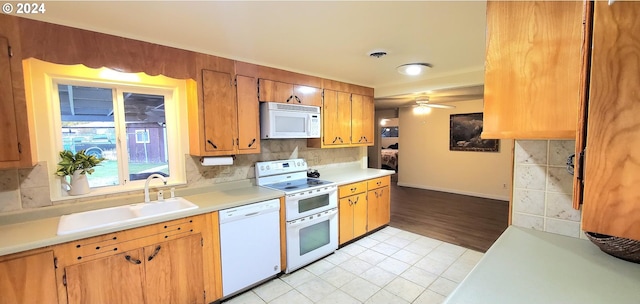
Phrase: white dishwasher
{"type": "Point", "coordinates": [249, 245]}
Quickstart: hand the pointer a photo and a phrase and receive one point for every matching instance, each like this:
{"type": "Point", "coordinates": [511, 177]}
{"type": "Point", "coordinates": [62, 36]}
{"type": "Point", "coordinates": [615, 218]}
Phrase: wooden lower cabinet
{"type": "Point", "coordinates": [170, 262]}
{"type": "Point", "coordinates": [28, 278]}
{"type": "Point", "coordinates": [352, 216]}
{"type": "Point", "coordinates": [169, 272]}
{"type": "Point", "coordinates": [115, 279]}
{"type": "Point", "coordinates": [378, 204]}
{"type": "Point", "coordinates": [363, 207]}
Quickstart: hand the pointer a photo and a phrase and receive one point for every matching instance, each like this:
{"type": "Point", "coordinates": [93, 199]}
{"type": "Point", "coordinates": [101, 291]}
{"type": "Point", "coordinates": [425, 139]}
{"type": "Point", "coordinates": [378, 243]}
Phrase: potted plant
{"type": "Point", "coordinates": [77, 166]}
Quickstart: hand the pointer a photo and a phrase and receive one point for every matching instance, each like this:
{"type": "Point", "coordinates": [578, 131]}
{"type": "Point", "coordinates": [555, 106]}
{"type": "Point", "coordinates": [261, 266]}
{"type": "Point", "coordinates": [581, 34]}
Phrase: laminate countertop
{"type": "Point", "coordinates": [38, 228]}
{"type": "Point", "coordinates": [528, 266]}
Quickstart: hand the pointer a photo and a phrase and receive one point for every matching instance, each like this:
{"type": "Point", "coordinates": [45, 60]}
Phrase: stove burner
{"type": "Point", "coordinates": [291, 187]}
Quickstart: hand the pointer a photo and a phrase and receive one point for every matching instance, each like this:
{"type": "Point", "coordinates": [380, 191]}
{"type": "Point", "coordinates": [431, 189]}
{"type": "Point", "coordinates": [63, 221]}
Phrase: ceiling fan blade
{"type": "Point", "coordinates": [439, 106]}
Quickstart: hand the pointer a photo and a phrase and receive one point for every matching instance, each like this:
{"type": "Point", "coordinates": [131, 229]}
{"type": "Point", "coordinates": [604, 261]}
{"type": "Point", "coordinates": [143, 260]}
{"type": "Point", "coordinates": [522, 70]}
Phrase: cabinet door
{"type": "Point", "coordinates": [336, 120]}
{"type": "Point", "coordinates": [533, 70]}
{"type": "Point", "coordinates": [248, 115]}
{"type": "Point", "coordinates": [275, 91]}
{"type": "Point", "coordinates": [612, 170]}
{"type": "Point", "coordinates": [29, 279]}
{"type": "Point", "coordinates": [359, 214]}
{"type": "Point", "coordinates": [345, 220]}
{"type": "Point", "coordinates": [174, 271]}
{"type": "Point", "coordinates": [307, 95]}
{"type": "Point", "coordinates": [9, 134]}
{"type": "Point", "coordinates": [219, 106]}
{"type": "Point", "coordinates": [368, 112]}
{"type": "Point", "coordinates": [378, 210]}
{"type": "Point", "coordinates": [114, 279]}
{"type": "Point", "coordinates": [362, 112]}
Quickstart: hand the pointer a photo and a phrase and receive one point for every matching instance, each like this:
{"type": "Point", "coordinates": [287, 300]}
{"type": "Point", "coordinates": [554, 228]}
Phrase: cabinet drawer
{"type": "Point", "coordinates": [378, 182]}
{"type": "Point", "coordinates": [352, 189]}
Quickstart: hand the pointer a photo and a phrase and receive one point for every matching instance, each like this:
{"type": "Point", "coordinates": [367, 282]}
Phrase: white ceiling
{"type": "Point", "coordinates": [322, 38]}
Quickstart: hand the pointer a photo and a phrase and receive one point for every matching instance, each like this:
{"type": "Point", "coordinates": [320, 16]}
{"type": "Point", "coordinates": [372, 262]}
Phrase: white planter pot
{"type": "Point", "coordinates": [79, 184]}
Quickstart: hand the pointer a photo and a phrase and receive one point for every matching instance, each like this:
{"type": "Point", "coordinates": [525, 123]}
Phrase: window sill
{"type": "Point", "coordinates": [103, 193]}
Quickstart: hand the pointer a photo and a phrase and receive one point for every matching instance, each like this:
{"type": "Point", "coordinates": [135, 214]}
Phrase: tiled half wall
{"type": "Point", "coordinates": [543, 188]}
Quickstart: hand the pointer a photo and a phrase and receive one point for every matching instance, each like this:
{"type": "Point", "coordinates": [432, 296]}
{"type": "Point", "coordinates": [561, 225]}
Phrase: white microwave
{"type": "Point", "coordinates": [282, 120]}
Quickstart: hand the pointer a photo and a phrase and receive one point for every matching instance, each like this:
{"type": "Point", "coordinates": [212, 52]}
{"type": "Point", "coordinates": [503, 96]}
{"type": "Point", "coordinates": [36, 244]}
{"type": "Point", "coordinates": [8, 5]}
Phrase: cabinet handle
{"type": "Point", "coordinates": [298, 99]}
{"type": "Point", "coordinates": [288, 99]}
{"type": "Point", "coordinates": [341, 140]}
{"type": "Point", "coordinates": [378, 183]}
{"type": "Point", "coordinates": [334, 140]}
{"type": "Point", "coordinates": [365, 139]}
{"type": "Point", "coordinates": [350, 202]}
{"type": "Point", "coordinates": [252, 142]}
{"type": "Point", "coordinates": [357, 198]}
{"type": "Point", "coordinates": [155, 252]}
{"type": "Point", "coordinates": [353, 189]}
{"type": "Point", "coordinates": [212, 144]}
{"type": "Point", "coordinates": [132, 260]}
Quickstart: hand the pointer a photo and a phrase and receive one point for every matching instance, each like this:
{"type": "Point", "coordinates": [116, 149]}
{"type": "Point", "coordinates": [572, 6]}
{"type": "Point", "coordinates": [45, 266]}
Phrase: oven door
{"type": "Point", "coordinates": [311, 238]}
{"type": "Point", "coordinates": [310, 202]}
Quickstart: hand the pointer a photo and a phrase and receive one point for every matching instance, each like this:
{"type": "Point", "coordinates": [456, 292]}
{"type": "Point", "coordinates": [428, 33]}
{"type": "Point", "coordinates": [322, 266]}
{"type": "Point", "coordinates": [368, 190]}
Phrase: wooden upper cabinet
{"type": "Point", "coordinates": [9, 134]}
{"type": "Point", "coordinates": [219, 108]}
{"type": "Point", "coordinates": [336, 119]}
{"type": "Point", "coordinates": [362, 112]}
{"type": "Point", "coordinates": [276, 91]}
{"type": "Point", "coordinates": [28, 279]}
{"type": "Point", "coordinates": [248, 115]}
{"type": "Point", "coordinates": [611, 202]}
{"type": "Point", "coordinates": [17, 149]}
{"type": "Point", "coordinates": [535, 68]}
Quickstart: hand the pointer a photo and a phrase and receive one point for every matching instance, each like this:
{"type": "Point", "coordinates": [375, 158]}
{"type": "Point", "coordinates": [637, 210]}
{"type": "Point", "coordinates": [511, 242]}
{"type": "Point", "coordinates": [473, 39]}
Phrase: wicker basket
{"type": "Point", "coordinates": [622, 248]}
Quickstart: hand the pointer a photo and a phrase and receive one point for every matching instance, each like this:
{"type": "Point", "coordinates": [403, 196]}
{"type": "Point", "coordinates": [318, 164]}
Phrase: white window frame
{"type": "Point", "coordinates": [145, 139]}
{"type": "Point", "coordinates": [42, 79]}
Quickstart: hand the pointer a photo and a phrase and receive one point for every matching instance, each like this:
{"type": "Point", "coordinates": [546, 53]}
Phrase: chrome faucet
{"type": "Point", "coordinates": [146, 185]}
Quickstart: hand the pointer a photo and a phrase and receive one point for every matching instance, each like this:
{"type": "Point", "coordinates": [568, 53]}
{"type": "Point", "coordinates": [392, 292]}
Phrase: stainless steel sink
{"type": "Point", "coordinates": [84, 221]}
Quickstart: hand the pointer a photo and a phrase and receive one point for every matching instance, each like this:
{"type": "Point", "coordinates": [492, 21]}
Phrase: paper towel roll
{"type": "Point", "coordinates": [216, 161]}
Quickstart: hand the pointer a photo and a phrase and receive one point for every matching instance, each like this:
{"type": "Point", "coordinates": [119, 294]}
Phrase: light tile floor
{"type": "Point", "coordinates": [389, 266]}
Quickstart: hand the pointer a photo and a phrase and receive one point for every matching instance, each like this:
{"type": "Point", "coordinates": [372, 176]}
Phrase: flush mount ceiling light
{"type": "Point", "coordinates": [413, 69]}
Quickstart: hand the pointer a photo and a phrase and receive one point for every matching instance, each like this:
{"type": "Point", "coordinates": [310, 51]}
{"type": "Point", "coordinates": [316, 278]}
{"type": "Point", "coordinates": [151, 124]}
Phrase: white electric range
{"type": "Point", "coordinates": [311, 208]}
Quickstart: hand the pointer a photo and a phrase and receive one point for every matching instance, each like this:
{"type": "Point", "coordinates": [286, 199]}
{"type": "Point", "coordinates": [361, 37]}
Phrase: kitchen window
{"type": "Point", "coordinates": [135, 122]}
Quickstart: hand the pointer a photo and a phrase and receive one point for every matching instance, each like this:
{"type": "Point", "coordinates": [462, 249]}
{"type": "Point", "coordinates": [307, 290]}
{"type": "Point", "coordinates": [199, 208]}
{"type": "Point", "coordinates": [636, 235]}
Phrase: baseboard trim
{"type": "Point", "coordinates": [455, 191]}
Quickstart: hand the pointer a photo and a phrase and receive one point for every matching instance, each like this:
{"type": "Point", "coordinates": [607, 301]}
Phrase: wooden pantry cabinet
{"type": "Point", "coordinates": [28, 277]}
{"type": "Point", "coordinates": [363, 207]}
{"type": "Point", "coordinates": [171, 262]}
{"type": "Point", "coordinates": [277, 91]}
{"type": "Point", "coordinates": [224, 117]}
{"type": "Point", "coordinates": [611, 200]}
{"type": "Point", "coordinates": [535, 68]}
{"type": "Point", "coordinates": [17, 149]}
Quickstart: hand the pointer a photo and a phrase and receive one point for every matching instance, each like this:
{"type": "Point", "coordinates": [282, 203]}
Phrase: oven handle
{"type": "Point", "coordinates": [304, 221]}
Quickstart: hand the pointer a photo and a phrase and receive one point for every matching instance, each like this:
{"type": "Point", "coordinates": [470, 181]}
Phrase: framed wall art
{"type": "Point", "coordinates": [464, 134]}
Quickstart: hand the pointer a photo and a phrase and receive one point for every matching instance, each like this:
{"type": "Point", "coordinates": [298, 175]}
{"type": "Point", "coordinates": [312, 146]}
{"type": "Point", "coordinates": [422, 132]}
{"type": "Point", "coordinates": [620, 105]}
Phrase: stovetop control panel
{"type": "Point", "coordinates": [280, 167]}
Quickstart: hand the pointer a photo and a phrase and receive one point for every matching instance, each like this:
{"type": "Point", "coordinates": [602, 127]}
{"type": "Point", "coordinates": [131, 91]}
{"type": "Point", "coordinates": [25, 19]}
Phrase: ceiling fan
{"type": "Point", "coordinates": [424, 102]}
{"type": "Point", "coordinates": [443, 98]}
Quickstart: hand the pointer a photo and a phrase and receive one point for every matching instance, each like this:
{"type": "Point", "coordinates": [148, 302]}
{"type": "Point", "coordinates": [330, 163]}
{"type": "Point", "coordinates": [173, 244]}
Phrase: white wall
{"type": "Point", "coordinates": [425, 160]}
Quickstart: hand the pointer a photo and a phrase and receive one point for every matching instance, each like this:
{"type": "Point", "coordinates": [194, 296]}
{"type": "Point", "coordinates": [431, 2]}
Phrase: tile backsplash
{"type": "Point", "coordinates": [28, 188]}
{"type": "Point", "coordinates": [543, 189]}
